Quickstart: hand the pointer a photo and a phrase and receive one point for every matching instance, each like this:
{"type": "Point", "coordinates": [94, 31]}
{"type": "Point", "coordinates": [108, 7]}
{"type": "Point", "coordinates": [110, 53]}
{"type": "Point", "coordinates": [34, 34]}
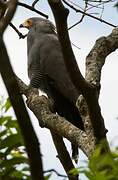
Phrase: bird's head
{"type": "Point", "coordinates": [27, 24]}
{"type": "Point", "coordinates": [40, 24]}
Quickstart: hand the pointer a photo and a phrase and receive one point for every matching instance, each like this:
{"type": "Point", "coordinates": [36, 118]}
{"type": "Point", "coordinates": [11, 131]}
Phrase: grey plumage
{"type": "Point", "coordinates": [47, 71]}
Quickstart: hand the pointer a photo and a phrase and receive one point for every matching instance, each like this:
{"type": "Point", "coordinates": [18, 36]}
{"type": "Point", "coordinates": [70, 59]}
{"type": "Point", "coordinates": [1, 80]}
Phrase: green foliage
{"type": "Point", "coordinates": [100, 166]}
{"type": "Point", "coordinates": [13, 158]}
{"type": "Point", "coordinates": [47, 177]}
{"type": "Point", "coordinates": [103, 166]}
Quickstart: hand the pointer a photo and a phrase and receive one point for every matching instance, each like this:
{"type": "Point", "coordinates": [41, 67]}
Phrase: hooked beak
{"type": "Point", "coordinates": [21, 26]}
{"type": "Point", "coordinates": [27, 24]}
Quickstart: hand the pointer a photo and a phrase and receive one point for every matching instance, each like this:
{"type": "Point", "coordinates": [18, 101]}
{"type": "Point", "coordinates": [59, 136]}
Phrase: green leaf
{"type": "Point", "coordinates": [15, 154]}
{"type": "Point", "coordinates": [7, 105]}
{"type": "Point", "coordinates": [4, 119]}
{"type": "Point", "coordinates": [7, 171]}
{"type": "Point", "coordinates": [19, 174]}
{"type": "Point", "coordinates": [74, 171]}
{"type": "Point", "coordinates": [14, 161]}
{"type": "Point", "coordinates": [96, 152]}
{"type": "Point", "coordinates": [3, 133]}
{"type": "Point", "coordinates": [11, 140]}
{"type": "Point", "coordinates": [1, 155]}
{"type": "Point", "coordinates": [89, 175]}
{"type": "Point", "coordinates": [47, 177]}
{"type": "Point", "coordinates": [12, 124]}
{"type": "Point", "coordinates": [26, 168]}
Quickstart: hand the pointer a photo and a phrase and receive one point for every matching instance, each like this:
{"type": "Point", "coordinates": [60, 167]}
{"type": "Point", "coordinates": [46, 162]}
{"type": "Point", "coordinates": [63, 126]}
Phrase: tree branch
{"type": "Point", "coordinates": [34, 3]}
{"type": "Point", "coordinates": [31, 142]}
{"type": "Point", "coordinates": [39, 105]}
{"type": "Point", "coordinates": [88, 90]}
{"type": "Point", "coordinates": [87, 14]}
{"type": "Point", "coordinates": [2, 9]}
{"type": "Point", "coordinates": [32, 9]}
{"type": "Point", "coordinates": [53, 170]}
{"type": "Point", "coordinates": [69, 58]}
{"type": "Point", "coordinates": [97, 56]}
{"type": "Point", "coordinates": [82, 17]}
{"type": "Point", "coordinates": [21, 36]}
{"type": "Point", "coordinates": [95, 61]}
{"type": "Point", "coordinates": [4, 21]}
{"type": "Point", "coordinates": [63, 155]}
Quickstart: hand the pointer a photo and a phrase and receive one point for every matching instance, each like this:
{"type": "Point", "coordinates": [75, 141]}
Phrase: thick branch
{"type": "Point", "coordinates": [39, 105]}
{"type": "Point", "coordinates": [94, 63]}
{"type": "Point", "coordinates": [31, 142]}
{"type": "Point", "coordinates": [2, 9]}
{"type": "Point", "coordinates": [11, 8]}
{"type": "Point", "coordinates": [96, 58]}
{"type": "Point", "coordinates": [88, 90]}
{"type": "Point", "coordinates": [61, 14]}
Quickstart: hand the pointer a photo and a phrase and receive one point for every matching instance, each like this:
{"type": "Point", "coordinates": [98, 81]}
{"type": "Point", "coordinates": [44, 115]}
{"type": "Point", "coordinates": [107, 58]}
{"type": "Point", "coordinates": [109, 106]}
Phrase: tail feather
{"type": "Point", "coordinates": [64, 107]}
{"type": "Point", "coordinates": [75, 152]}
{"type": "Point", "coordinates": [68, 110]}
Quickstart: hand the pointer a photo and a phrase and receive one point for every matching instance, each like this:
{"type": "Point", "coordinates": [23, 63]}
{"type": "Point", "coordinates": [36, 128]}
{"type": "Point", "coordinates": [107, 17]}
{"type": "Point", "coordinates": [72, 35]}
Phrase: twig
{"type": "Point", "coordinates": [74, 4]}
{"type": "Point", "coordinates": [34, 3]}
{"type": "Point", "coordinates": [72, 26]}
{"type": "Point", "coordinates": [82, 17]}
{"type": "Point", "coordinates": [32, 9]}
{"type": "Point", "coordinates": [75, 46]}
{"type": "Point", "coordinates": [63, 155]}
{"type": "Point", "coordinates": [97, 5]}
{"type": "Point", "coordinates": [102, 11]}
{"type": "Point", "coordinates": [53, 170]}
{"type": "Point", "coordinates": [89, 15]}
{"type": "Point", "coordinates": [21, 36]}
{"type": "Point", "coordinates": [95, 1]}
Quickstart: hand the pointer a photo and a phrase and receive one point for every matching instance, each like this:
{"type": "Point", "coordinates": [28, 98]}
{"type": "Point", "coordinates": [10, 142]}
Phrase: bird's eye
{"type": "Point", "coordinates": [28, 21]}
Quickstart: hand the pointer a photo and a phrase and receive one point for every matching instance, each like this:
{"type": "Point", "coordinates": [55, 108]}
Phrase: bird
{"type": "Point", "coordinates": [47, 70]}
